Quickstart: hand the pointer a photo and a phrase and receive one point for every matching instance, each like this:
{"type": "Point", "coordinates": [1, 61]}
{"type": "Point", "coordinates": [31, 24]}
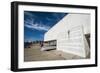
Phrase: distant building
{"type": "Point", "coordinates": [70, 34]}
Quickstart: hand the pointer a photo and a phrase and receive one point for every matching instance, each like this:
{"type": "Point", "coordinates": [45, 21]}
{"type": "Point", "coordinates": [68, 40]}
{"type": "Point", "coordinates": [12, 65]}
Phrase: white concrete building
{"type": "Point", "coordinates": [70, 34]}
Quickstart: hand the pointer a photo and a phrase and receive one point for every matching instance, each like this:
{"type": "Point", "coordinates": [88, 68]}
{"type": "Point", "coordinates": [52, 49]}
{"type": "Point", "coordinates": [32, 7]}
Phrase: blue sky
{"type": "Point", "coordinates": [37, 23]}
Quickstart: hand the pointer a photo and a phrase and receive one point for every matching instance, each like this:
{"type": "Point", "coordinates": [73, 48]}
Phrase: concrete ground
{"type": "Point", "coordinates": [35, 54]}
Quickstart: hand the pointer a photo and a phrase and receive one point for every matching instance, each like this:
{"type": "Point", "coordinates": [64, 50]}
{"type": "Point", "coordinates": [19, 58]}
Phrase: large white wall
{"type": "Point", "coordinates": [77, 24]}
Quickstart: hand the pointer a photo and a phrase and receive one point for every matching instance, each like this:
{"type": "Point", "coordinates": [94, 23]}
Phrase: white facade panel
{"type": "Point", "coordinates": [69, 33]}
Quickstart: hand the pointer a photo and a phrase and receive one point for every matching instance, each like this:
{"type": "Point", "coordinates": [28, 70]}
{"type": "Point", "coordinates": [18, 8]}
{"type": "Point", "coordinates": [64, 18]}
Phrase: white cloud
{"type": "Point", "coordinates": [39, 27]}
{"type": "Point", "coordinates": [29, 14]}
